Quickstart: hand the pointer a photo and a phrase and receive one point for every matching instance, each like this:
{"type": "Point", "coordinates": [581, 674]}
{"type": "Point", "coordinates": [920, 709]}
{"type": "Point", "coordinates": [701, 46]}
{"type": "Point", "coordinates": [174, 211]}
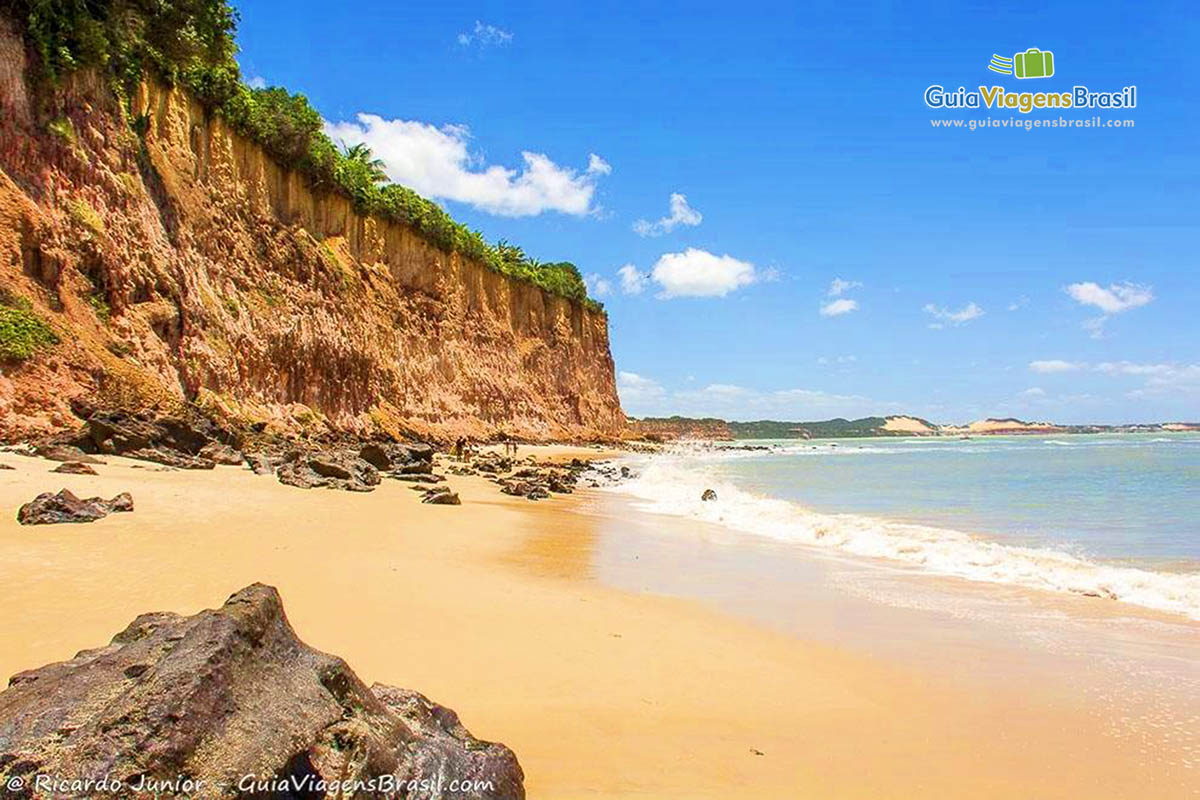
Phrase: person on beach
{"type": "Point", "coordinates": [459, 445]}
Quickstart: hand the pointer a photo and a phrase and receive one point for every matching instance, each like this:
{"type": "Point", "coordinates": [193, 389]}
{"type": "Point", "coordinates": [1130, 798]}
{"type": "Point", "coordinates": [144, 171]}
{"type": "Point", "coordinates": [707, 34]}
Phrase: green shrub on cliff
{"type": "Point", "coordinates": [21, 331]}
{"type": "Point", "coordinates": [191, 43]}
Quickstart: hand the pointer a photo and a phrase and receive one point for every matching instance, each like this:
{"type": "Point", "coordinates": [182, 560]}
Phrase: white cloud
{"type": "Point", "coordinates": [598, 166]}
{"type": "Point", "coordinates": [1033, 391]}
{"type": "Point", "coordinates": [1116, 298]}
{"type": "Point", "coordinates": [637, 392]}
{"type": "Point", "coordinates": [632, 281]}
{"type": "Point", "coordinates": [1161, 380]}
{"type": "Point", "coordinates": [839, 286]}
{"type": "Point", "coordinates": [699, 273]}
{"type": "Point", "coordinates": [436, 162]}
{"type": "Point", "coordinates": [964, 315]}
{"type": "Point", "coordinates": [1055, 365]}
{"type": "Point", "coordinates": [681, 214]}
{"type": "Point", "coordinates": [738, 402]}
{"type": "Point", "coordinates": [257, 82]}
{"type": "Point", "coordinates": [1131, 368]}
{"type": "Point", "coordinates": [598, 285]}
{"type": "Point", "coordinates": [838, 307]}
{"type": "Point", "coordinates": [483, 36]}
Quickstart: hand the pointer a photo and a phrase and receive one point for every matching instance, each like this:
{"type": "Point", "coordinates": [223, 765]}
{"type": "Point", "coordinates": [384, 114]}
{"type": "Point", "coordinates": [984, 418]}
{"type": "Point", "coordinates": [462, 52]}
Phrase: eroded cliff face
{"type": "Point", "coordinates": [182, 265]}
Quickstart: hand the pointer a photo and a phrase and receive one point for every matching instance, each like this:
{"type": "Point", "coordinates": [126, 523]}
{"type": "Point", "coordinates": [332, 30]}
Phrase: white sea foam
{"type": "Point", "coordinates": [670, 485]}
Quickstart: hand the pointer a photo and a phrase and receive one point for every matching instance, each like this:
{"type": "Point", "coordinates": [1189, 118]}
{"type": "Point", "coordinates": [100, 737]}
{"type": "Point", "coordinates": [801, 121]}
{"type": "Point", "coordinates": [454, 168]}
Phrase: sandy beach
{"type": "Point", "coordinates": [508, 612]}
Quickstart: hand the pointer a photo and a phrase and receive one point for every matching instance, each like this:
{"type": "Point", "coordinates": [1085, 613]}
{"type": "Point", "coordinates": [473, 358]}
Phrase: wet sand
{"type": "Point", "coordinates": [547, 630]}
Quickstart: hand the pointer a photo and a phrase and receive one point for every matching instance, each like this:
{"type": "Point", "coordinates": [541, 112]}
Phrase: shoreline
{"type": "Point", "coordinates": [935, 545]}
{"type": "Point", "coordinates": [511, 612]}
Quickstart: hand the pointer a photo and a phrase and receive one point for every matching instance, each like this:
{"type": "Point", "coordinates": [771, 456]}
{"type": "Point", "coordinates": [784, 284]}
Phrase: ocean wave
{"type": "Point", "coordinates": [666, 485]}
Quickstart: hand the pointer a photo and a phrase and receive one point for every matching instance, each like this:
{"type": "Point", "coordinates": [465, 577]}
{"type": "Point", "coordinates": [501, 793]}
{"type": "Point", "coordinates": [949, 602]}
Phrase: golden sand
{"type": "Point", "coordinates": [492, 608]}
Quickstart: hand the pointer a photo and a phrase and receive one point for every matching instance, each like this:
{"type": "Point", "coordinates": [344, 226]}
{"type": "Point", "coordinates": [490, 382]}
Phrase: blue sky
{"type": "Point", "coordinates": [1042, 273]}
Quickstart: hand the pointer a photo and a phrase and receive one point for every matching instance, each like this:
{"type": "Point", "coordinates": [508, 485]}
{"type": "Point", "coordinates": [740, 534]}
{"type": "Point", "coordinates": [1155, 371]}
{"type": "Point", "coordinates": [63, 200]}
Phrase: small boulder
{"type": "Point", "coordinates": [516, 488]}
{"type": "Point", "coordinates": [170, 458]}
{"type": "Point", "coordinates": [52, 509]}
{"type": "Point", "coordinates": [441, 496]}
{"type": "Point", "coordinates": [419, 477]}
{"type": "Point", "coordinates": [708, 495]}
{"type": "Point", "coordinates": [65, 452]}
{"type": "Point", "coordinates": [220, 453]}
{"type": "Point", "coordinates": [330, 469]}
{"type": "Point", "coordinates": [259, 463]}
{"type": "Point", "coordinates": [74, 468]}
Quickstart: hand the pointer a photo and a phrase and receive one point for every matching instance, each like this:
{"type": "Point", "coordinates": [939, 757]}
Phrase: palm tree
{"type": "Point", "coordinates": [362, 154]}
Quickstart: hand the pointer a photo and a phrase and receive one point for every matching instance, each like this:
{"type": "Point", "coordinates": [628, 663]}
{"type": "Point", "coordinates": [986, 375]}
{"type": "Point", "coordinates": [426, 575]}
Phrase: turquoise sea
{"type": "Point", "coordinates": [1116, 516]}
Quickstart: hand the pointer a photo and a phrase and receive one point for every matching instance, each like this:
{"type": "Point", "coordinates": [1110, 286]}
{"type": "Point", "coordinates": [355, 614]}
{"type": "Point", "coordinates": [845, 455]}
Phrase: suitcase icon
{"type": "Point", "coordinates": [1034, 63]}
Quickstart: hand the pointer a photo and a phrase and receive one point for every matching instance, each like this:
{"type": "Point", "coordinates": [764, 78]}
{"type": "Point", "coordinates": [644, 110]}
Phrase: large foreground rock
{"type": "Point", "coordinates": [231, 699]}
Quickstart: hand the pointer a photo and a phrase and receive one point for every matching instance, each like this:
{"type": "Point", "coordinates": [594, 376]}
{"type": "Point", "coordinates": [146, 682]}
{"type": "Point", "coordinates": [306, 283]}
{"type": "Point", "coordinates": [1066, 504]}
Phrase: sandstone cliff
{"type": "Point", "coordinates": [179, 264]}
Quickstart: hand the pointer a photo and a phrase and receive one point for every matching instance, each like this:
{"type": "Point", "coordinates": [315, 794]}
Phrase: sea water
{"type": "Point", "coordinates": [1115, 516]}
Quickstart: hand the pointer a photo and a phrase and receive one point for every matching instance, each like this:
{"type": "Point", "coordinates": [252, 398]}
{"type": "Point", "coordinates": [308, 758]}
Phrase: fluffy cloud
{"type": "Point", "coordinates": [1131, 368]}
{"type": "Point", "coordinates": [484, 36]}
{"type": "Point", "coordinates": [1161, 380]}
{"type": "Point", "coordinates": [1116, 298]}
{"type": "Point", "coordinates": [436, 162]}
{"type": "Point", "coordinates": [738, 402]}
{"type": "Point", "coordinates": [1054, 365]}
{"type": "Point", "coordinates": [681, 214]}
{"type": "Point", "coordinates": [257, 82]}
{"type": "Point", "coordinates": [964, 315]}
{"type": "Point", "coordinates": [1033, 391]}
{"type": "Point", "coordinates": [632, 280]}
{"type": "Point", "coordinates": [838, 307]}
{"type": "Point", "coordinates": [598, 285]}
{"type": "Point", "coordinates": [838, 286]}
{"type": "Point", "coordinates": [637, 392]}
{"type": "Point", "coordinates": [699, 273]}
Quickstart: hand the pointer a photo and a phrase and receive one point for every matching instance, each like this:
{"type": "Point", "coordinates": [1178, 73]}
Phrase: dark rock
{"type": "Point", "coordinates": [441, 496]}
{"type": "Point", "coordinates": [330, 469]}
{"type": "Point", "coordinates": [385, 456]}
{"type": "Point", "coordinates": [6, 466]}
{"type": "Point", "coordinates": [516, 488]}
{"type": "Point", "coordinates": [220, 453]}
{"type": "Point", "coordinates": [122, 502]}
{"type": "Point", "coordinates": [233, 692]}
{"type": "Point", "coordinates": [260, 463]}
{"type": "Point", "coordinates": [537, 493]}
{"type": "Point", "coordinates": [708, 495]}
{"type": "Point", "coordinates": [419, 478]}
{"type": "Point", "coordinates": [65, 452]}
{"type": "Point", "coordinates": [558, 485]}
{"type": "Point", "coordinates": [118, 432]}
{"type": "Point", "coordinates": [415, 468]}
{"type": "Point", "coordinates": [74, 468]}
{"type": "Point", "coordinates": [51, 509]}
{"type": "Point", "coordinates": [171, 458]}
{"type": "Point", "coordinates": [377, 455]}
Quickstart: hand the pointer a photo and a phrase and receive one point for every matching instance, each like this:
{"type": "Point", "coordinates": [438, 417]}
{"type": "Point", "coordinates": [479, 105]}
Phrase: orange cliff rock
{"type": "Point", "coordinates": [185, 266]}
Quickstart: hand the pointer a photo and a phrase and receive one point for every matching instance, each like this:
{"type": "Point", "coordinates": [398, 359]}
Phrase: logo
{"type": "Point", "coordinates": [1033, 63]}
